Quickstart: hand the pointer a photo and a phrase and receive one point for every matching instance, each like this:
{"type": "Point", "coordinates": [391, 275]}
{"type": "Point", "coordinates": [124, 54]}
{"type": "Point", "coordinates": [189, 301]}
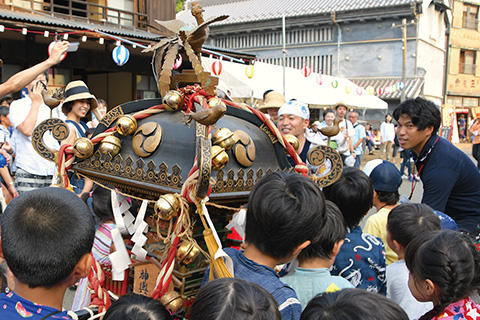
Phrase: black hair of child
{"type": "Point", "coordinates": [390, 198]}
{"type": "Point", "coordinates": [45, 233]}
{"type": "Point", "coordinates": [101, 203]}
{"type": "Point", "coordinates": [135, 306]}
{"type": "Point", "coordinates": [406, 221]}
{"type": "Point", "coordinates": [448, 259]}
{"type": "Point", "coordinates": [352, 304]}
{"type": "Point", "coordinates": [284, 211]}
{"type": "Point", "coordinates": [423, 113]}
{"type": "Point", "coordinates": [353, 194]}
{"type": "Point", "coordinates": [234, 298]}
{"type": "Point", "coordinates": [4, 111]}
{"type": "Point", "coordinates": [332, 232]}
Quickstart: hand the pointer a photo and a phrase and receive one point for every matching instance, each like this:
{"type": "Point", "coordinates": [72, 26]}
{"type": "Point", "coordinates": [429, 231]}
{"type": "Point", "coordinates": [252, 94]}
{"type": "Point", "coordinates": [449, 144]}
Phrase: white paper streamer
{"type": "Point", "coordinates": [220, 253]}
{"type": "Point", "coordinates": [238, 222]}
{"type": "Point", "coordinates": [120, 258]}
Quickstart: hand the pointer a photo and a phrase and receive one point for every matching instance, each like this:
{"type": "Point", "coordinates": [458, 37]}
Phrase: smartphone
{"type": "Point", "coordinates": [73, 46]}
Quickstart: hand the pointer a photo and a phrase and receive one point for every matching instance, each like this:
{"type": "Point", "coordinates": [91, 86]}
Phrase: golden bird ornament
{"type": "Point", "coordinates": [332, 130]}
{"type": "Point", "coordinates": [208, 117]}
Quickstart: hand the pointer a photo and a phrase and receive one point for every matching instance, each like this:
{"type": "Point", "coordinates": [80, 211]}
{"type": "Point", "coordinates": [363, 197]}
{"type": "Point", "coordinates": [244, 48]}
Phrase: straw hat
{"type": "Point", "coordinates": [273, 99]}
{"type": "Point", "coordinates": [77, 90]}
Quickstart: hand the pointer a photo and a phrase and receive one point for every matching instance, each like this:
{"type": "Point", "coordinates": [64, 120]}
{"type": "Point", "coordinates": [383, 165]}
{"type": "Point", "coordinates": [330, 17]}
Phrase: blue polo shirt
{"type": "Point", "coordinates": [451, 182]}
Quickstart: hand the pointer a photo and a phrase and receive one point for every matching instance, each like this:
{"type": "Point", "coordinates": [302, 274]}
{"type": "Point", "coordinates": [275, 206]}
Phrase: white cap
{"type": "Point", "coordinates": [296, 108]}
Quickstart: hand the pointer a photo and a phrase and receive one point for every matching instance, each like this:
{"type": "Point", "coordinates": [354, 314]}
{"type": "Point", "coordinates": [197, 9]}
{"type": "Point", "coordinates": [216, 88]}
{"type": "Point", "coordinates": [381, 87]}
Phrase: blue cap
{"type": "Point", "coordinates": [384, 175]}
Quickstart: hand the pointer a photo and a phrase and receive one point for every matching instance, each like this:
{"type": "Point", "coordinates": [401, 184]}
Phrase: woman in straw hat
{"type": "Point", "coordinates": [77, 106]}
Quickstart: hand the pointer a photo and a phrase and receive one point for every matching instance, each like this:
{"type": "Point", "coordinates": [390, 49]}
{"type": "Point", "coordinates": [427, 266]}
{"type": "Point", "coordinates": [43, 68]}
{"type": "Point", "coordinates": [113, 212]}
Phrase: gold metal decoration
{"type": "Point", "coordinates": [213, 102]}
{"type": "Point", "coordinates": [111, 145]}
{"type": "Point", "coordinates": [203, 146]}
{"type": "Point", "coordinates": [126, 125]}
{"type": "Point", "coordinates": [244, 149]}
{"type": "Point", "coordinates": [173, 100]}
{"type": "Point", "coordinates": [224, 138]}
{"type": "Point", "coordinates": [318, 157]}
{"type": "Point", "coordinates": [111, 116]}
{"type": "Point", "coordinates": [172, 300]}
{"type": "Point", "coordinates": [128, 170]}
{"type": "Point", "coordinates": [187, 253]}
{"type": "Point", "coordinates": [219, 158]}
{"type": "Point", "coordinates": [292, 140]}
{"type": "Point", "coordinates": [59, 131]}
{"type": "Point", "coordinates": [167, 206]}
{"type": "Point", "coordinates": [83, 148]}
{"type": "Point", "coordinates": [147, 139]}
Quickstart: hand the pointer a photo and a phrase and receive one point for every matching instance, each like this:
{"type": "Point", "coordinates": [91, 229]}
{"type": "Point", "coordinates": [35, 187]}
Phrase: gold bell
{"type": "Point", "coordinates": [219, 158]}
{"type": "Point", "coordinates": [173, 100]}
{"type": "Point", "coordinates": [126, 125]}
{"type": "Point", "coordinates": [167, 206]}
{"type": "Point", "coordinates": [224, 138]}
{"type": "Point", "coordinates": [110, 145]}
{"type": "Point", "coordinates": [187, 253]}
{"type": "Point", "coordinates": [172, 300]}
{"type": "Point", "coordinates": [292, 140]}
{"type": "Point", "coordinates": [83, 148]}
{"type": "Point", "coordinates": [213, 102]}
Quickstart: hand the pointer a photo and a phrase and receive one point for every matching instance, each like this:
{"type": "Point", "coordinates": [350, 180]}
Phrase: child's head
{"type": "Point", "coordinates": [408, 220]}
{"type": "Point", "coordinates": [135, 306]}
{"type": "Point", "coordinates": [45, 234]}
{"type": "Point", "coordinates": [330, 237]}
{"type": "Point", "coordinates": [101, 203]}
{"type": "Point", "coordinates": [352, 304]}
{"type": "Point", "coordinates": [234, 298]}
{"type": "Point", "coordinates": [444, 268]}
{"type": "Point", "coordinates": [353, 194]}
{"type": "Point", "coordinates": [285, 210]}
{"type": "Point", "coordinates": [386, 179]}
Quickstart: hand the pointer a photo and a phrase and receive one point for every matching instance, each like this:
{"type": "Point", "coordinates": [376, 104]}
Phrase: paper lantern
{"type": "Point", "coordinates": [348, 88]}
{"type": "Point", "coordinates": [359, 91]}
{"type": "Point", "coordinates": [50, 46]}
{"type": "Point", "coordinates": [394, 88]}
{"type": "Point", "coordinates": [217, 67]}
{"type": "Point", "coordinates": [250, 71]}
{"type": "Point", "coordinates": [380, 90]}
{"type": "Point", "coordinates": [319, 79]}
{"type": "Point", "coordinates": [306, 71]}
{"type": "Point", "coordinates": [388, 90]}
{"type": "Point", "coordinates": [178, 62]}
{"type": "Point", "coordinates": [370, 90]}
{"type": "Point", "coordinates": [401, 85]}
{"type": "Point", "coordinates": [120, 55]}
{"type": "Point", "coordinates": [335, 84]}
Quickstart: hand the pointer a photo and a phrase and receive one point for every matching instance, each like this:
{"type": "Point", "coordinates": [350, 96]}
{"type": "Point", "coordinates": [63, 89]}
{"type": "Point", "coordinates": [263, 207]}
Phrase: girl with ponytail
{"type": "Point", "coordinates": [444, 269]}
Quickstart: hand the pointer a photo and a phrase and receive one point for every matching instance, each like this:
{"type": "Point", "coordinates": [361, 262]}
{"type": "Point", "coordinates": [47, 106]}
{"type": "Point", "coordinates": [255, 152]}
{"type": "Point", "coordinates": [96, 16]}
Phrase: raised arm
{"type": "Point", "coordinates": [22, 78]}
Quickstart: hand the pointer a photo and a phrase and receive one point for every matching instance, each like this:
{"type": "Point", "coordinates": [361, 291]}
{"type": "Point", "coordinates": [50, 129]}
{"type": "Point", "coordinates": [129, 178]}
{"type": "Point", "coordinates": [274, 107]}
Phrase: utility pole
{"type": "Point", "coordinates": [284, 51]}
{"type": "Point", "coordinates": [404, 48]}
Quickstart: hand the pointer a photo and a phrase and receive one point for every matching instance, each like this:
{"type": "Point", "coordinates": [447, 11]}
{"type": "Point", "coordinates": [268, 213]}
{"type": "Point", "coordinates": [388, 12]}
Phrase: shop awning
{"type": "Point", "coordinates": [389, 86]}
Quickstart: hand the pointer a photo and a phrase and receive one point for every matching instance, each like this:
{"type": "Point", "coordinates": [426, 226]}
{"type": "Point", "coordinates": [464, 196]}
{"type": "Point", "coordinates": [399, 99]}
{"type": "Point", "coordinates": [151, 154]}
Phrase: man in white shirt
{"type": "Point", "coordinates": [387, 136]}
{"type": "Point", "coordinates": [346, 127]}
{"type": "Point", "coordinates": [357, 138]}
{"type": "Point", "coordinates": [33, 171]}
